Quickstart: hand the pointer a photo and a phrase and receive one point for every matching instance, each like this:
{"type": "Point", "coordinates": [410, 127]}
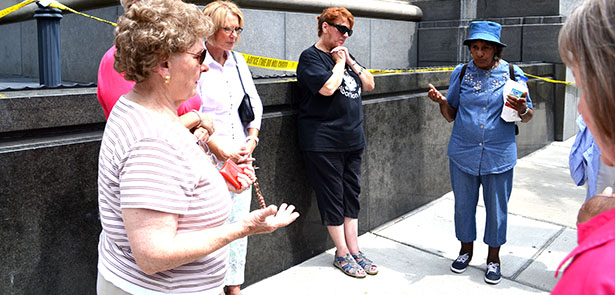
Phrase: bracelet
{"type": "Point", "coordinates": [524, 112]}
{"type": "Point", "coordinates": [198, 115]}
{"type": "Point", "coordinates": [252, 137]}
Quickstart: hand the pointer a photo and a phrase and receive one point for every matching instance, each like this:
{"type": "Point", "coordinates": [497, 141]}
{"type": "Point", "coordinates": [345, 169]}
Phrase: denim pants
{"type": "Point", "coordinates": [496, 193]}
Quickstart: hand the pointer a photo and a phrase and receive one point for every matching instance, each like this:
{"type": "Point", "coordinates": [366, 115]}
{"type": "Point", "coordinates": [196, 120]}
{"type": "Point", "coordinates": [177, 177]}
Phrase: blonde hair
{"type": "Point", "coordinates": [587, 42]}
{"type": "Point", "coordinates": [332, 14]}
{"type": "Point", "coordinates": [219, 10]}
{"type": "Point", "coordinates": [152, 30]}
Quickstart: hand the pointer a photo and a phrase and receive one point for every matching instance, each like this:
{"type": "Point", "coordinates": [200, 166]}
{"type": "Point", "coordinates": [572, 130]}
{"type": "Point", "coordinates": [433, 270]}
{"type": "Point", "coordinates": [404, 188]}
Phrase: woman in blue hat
{"type": "Point", "coordinates": [482, 149]}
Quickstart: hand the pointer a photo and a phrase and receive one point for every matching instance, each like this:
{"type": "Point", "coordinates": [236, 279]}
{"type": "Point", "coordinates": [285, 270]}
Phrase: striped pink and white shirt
{"type": "Point", "coordinates": [148, 162]}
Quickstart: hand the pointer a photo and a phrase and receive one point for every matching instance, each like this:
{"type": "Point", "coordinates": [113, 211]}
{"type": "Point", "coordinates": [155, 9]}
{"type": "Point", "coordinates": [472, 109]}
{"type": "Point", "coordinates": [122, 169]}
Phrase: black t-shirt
{"type": "Point", "coordinates": [328, 123]}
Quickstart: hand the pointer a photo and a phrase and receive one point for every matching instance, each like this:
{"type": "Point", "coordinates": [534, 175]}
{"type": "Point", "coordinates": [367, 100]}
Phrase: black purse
{"type": "Point", "coordinates": [246, 113]}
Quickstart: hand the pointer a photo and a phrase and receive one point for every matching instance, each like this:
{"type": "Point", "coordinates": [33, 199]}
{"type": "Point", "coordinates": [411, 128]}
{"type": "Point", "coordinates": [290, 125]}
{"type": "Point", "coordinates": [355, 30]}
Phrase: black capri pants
{"type": "Point", "coordinates": [336, 180]}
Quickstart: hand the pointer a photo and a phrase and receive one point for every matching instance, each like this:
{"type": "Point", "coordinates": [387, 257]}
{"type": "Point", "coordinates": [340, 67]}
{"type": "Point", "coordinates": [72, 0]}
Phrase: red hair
{"type": "Point", "coordinates": [332, 14]}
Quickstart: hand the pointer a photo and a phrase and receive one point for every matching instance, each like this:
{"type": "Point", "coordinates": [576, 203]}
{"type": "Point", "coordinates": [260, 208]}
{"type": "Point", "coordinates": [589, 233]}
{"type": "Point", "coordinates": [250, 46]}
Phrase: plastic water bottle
{"type": "Point", "coordinates": [515, 89]}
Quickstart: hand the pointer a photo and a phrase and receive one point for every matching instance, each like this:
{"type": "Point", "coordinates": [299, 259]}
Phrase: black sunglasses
{"type": "Point", "coordinates": [342, 29]}
{"type": "Point", "coordinates": [201, 55]}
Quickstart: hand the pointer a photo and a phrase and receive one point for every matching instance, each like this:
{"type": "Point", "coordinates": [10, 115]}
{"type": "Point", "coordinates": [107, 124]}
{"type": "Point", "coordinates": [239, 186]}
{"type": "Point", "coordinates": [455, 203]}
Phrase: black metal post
{"type": "Point", "coordinates": [49, 59]}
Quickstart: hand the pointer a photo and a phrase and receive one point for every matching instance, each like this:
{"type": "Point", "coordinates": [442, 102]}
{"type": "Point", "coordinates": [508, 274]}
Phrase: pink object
{"type": "Point", "coordinates": [111, 85]}
{"type": "Point", "coordinates": [591, 270]}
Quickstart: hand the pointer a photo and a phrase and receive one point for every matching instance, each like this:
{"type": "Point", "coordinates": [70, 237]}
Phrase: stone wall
{"type": "Point", "coordinates": [275, 34]}
{"type": "Point", "coordinates": [49, 145]}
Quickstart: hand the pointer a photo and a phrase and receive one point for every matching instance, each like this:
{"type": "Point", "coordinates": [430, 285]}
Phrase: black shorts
{"type": "Point", "coordinates": [336, 179]}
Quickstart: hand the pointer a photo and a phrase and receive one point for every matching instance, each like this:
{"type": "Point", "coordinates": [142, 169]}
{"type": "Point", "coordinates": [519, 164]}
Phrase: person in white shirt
{"type": "Point", "coordinates": [221, 91]}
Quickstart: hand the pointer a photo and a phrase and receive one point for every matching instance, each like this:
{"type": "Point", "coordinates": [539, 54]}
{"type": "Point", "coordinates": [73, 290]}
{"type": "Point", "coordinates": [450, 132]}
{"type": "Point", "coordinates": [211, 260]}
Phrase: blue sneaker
{"type": "Point", "coordinates": [493, 275]}
{"type": "Point", "coordinates": [461, 263]}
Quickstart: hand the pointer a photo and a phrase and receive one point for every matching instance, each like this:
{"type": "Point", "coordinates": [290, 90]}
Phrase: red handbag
{"type": "Point", "coordinates": [230, 171]}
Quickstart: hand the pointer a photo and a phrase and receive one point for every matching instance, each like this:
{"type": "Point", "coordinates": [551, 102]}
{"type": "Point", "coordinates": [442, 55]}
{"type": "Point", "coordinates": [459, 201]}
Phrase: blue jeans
{"type": "Point", "coordinates": [496, 193]}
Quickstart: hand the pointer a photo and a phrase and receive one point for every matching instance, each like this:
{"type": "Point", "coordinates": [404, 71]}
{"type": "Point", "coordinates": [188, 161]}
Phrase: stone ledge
{"type": "Point", "coordinates": [66, 108]}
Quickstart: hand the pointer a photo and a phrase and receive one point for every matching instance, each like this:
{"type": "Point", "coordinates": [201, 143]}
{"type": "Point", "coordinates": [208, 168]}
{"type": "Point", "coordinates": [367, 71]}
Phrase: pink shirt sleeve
{"type": "Point", "coordinates": [193, 103]}
{"type": "Point", "coordinates": [111, 85]}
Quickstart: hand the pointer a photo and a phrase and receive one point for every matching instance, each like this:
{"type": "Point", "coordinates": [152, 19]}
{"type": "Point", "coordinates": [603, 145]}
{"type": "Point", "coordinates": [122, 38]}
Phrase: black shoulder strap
{"type": "Point", "coordinates": [511, 71]}
{"type": "Point", "coordinates": [239, 74]}
{"type": "Point", "coordinates": [463, 72]}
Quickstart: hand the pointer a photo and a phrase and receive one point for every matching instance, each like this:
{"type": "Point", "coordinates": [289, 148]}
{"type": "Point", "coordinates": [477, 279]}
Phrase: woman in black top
{"type": "Point", "coordinates": [331, 133]}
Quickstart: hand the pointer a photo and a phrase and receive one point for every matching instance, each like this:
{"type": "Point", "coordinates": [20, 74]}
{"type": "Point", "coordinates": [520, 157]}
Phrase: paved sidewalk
{"type": "Point", "coordinates": [414, 252]}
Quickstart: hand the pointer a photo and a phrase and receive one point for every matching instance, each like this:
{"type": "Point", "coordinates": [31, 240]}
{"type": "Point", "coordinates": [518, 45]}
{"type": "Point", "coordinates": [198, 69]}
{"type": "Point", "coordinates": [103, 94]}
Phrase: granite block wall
{"type": "Point", "coordinates": [49, 225]}
{"type": "Point", "coordinates": [439, 9]}
{"type": "Point", "coordinates": [530, 28]}
{"type": "Point", "coordinates": [49, 219]}
{"type": "Point", "coordinates": [512, 8]}
{"type": "Point", "coordinates": [540, 42]}
{"type": "Point", "coordinates": [528, 39]}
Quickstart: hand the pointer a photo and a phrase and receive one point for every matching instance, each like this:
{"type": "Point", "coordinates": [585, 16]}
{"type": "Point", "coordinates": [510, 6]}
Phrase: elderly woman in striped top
{"type": "Point", "coordinates": [162, 203]}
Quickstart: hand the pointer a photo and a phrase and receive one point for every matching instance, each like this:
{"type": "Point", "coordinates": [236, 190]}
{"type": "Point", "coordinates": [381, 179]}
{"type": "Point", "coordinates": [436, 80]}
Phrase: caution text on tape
{"type": "Point", "coordinates": [270, 63]}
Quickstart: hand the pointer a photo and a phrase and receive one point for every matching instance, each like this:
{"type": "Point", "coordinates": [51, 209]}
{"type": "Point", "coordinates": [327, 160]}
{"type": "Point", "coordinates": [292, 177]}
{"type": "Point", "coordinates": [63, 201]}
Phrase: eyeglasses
{"type": "Point", "coordinates": [228, 31]}
{"type": "Point", "coordinates": [342, 29]}
{"type": "Point", "coordinates": [201, 56]}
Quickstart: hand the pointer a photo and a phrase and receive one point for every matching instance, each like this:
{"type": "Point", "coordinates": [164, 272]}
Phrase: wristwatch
{"type": "Point", "coordinates": [360, 68]}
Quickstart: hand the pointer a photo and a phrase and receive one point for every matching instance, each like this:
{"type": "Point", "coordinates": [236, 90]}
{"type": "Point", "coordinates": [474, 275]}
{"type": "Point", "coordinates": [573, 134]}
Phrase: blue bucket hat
{"type": "Point", "coordinates": [484, 30]}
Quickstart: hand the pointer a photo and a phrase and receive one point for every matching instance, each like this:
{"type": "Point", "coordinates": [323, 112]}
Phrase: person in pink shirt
{"type": "Point", "coordinates": [112, 85]}
{"type": "Point", "coordinates": [586, 45]}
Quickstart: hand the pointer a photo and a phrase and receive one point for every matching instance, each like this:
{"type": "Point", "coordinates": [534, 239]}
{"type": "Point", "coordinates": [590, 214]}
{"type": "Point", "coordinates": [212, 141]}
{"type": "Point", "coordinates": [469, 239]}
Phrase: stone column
{"type": "Point", "coordinates": [49, 58]}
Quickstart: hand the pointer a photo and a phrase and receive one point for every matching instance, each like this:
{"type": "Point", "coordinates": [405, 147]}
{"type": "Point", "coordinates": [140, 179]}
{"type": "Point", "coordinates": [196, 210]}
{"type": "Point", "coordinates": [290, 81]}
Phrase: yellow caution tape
{"type": "Point", "coordinates": [550, 80]}
{"type": "Point", "coordinates": [270, 63]}
{"type": "Point", "coordinates": [451, 68]}
{"type": "Point", "coordinates": [375, 71]}
{"type": "Point", "coordinates": [64, 7]}
{"type": "Point", "coordinates": [14, 8]}
{"type": "Point", "coordinates": [291, 66]}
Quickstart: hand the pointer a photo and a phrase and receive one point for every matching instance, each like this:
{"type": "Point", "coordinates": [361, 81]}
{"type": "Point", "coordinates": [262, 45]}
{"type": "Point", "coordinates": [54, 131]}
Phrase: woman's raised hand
{"type": "Point", "coordinates": [340, 54]}
{"type": "Point", "coordinates": [269, 219]}
{"type": "Point", "coordinates": [435, 95]}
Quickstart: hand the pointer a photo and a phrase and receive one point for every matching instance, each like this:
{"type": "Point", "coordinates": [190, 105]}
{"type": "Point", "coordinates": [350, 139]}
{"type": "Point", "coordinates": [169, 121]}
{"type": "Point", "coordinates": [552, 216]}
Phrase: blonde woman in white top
{"type": "Point", "coordinates": [221, 91]}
